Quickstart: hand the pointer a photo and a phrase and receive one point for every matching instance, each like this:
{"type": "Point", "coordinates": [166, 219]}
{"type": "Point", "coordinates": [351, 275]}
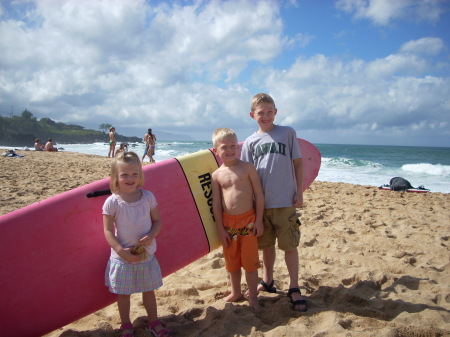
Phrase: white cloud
{"type": "Point", "coordinates": [299, 39]}
{"type": "Point", "coordinates": [135, 57]}
{"type": "Point", "coordinates": [383, 12]}
{"type": "Point", "coordinates": [394, 65]}
{"type": "Point", "coordinates": [326, 93]}
{"type": "Point", "coordinates": [426, 46]}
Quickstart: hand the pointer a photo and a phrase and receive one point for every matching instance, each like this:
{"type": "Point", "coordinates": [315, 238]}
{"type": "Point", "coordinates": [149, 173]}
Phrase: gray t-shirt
{"type": "Point", "coordinates": [272, 154]}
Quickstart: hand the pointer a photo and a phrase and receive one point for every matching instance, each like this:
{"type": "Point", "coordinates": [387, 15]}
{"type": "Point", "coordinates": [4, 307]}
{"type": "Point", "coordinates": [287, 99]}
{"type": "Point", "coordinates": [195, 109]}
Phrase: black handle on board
{"type": "Point", "coordinates": [98, 193]}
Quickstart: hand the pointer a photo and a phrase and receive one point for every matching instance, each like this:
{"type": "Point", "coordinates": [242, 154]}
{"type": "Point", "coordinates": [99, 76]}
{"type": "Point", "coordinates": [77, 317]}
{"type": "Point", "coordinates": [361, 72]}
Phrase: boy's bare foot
{"type": "Point", "coordinates": [233, 297]}
{"type": "Point", "coordinates": [255, 305]}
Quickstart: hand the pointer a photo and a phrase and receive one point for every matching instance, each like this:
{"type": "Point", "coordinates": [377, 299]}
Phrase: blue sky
{"type": "Point", "coordinates": [346, 71]}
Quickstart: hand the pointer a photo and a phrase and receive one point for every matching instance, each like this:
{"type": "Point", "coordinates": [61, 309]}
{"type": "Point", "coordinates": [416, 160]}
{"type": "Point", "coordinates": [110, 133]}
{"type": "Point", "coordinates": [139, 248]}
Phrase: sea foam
{"type": "Point", "coordinates": [436, 170]}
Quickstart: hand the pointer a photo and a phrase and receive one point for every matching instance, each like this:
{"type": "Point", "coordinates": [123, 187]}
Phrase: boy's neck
{"type": "Point", "coordinates": [231, 162]}
{"type": "Point", "coordinates": [266, 129]}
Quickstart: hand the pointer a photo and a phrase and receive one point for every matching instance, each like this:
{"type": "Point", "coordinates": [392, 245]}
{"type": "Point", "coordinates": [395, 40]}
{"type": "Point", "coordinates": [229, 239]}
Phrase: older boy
{"type": "Point", "coordinates": [238, 205]}
{"type": "Point", "coordinates": [275, 152]}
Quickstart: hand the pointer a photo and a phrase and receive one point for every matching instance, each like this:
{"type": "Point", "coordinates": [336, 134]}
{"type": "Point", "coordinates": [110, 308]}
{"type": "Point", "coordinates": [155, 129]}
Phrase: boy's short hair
{"type": "Point", "coordinates": [261, 98]}
{"type": "Point", "coordinates": [222, 133]}
{"type": "Point", "coordinates": [124, 158]}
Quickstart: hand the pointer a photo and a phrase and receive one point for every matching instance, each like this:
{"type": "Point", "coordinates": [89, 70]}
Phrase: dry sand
{"type": "Point", "coordinates": [372, 263]}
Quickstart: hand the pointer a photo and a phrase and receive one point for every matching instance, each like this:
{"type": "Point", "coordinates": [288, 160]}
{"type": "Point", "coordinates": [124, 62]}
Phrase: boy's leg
{"type": "Point", "coordinates": [235, 278]}
{"type": "Point", "coordinates": [269, 255]}
{"type": "Point", "coordinates": [288, 233]}
{"type": "Point", "coordinates": [291, 259]}
{"type": "Point", "coordinates": [149, 301]}
{"type": "Point", "coordinates": [252, 283]}
{"type": "Point", "coordinates": [266, 243]}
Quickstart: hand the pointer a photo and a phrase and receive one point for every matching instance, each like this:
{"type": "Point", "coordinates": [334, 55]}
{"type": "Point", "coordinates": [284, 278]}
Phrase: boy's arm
{"type": "Point", "coordinates": [259, 200]}
{"type": "Point", "coordinates": [298, 171]}
{"type": "Point", "coordinates": [217, 211]}
{"type": "Point", "coordinates": [246, 154]}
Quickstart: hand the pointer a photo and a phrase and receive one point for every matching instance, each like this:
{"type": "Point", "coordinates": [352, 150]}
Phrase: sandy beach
{"type": "Point", "coordinates": [372, 263]}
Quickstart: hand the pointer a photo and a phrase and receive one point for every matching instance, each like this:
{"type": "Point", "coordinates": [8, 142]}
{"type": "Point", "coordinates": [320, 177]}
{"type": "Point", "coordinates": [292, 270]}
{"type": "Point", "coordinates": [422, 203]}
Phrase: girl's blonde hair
{"type": "Point", "coordinates": [220, 134]}
{"type": "Point", "coordinates": [120, 159]}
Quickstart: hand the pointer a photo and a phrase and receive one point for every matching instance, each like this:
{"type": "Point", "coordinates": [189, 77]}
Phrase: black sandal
{"type": "Point", "coordinates": [298, 302]}
{"type": "Point", "coordinates": [268, 287]}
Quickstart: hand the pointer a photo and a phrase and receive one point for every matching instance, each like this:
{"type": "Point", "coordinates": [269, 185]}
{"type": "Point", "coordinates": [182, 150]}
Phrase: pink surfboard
{"type": "Point", "coordinates": [54, 252]}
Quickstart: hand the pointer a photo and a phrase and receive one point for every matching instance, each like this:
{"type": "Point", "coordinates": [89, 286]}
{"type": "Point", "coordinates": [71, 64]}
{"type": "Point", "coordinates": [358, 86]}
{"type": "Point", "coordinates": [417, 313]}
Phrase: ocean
{"type": "Point", "coordinates": [356, 164]}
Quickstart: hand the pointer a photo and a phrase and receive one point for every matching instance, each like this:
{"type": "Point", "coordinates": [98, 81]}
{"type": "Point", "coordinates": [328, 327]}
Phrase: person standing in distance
{"type": "Point", "coordinates": [150, 144]}
{"type": "Point", "coordinates": [112, 142]}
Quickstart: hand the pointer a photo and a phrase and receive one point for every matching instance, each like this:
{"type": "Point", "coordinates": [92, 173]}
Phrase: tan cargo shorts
{"type": "Point", "coordinates": [282, 224]}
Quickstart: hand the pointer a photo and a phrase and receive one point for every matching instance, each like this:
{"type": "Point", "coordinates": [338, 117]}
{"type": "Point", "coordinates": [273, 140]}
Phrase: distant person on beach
{"type": "Point", "coordinates": [275, 152]}
{"type": "Point", "coordinates": [150, 144]}
{"type": "Point", "coordinates": [112, 142]}
{"type": "Point", "coordinates": [131, 224]}
{"type": "Point", "coordinates": [38, 146]}
{"type": "Point", "coordinates": [238, 205]}
{"type": "Point", "coordinates": [49, 146]}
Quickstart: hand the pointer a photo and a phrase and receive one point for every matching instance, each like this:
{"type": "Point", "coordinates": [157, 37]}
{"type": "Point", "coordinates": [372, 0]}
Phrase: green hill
{"type": "Point", "coordinates": [24, 129]}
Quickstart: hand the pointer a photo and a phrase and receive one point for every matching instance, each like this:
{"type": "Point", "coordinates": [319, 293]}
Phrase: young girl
{"type": "Point", "coordinates": [131, 223]}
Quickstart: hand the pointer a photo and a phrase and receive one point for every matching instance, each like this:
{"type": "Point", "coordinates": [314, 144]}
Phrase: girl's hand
{"type": "Point", "coordinates": [125, 254]}
{"type": "Point", "coordinates": [146, 240]}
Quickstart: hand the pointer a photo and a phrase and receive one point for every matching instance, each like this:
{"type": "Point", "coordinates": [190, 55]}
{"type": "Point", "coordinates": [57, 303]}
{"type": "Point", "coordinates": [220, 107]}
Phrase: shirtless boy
{"type": "Point", "coordinates": [238, 205]}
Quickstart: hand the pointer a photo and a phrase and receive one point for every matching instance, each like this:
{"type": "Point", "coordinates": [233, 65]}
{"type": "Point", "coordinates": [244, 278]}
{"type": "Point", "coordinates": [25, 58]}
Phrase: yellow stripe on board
{"type": "Point", "coordinates": [198, 168]}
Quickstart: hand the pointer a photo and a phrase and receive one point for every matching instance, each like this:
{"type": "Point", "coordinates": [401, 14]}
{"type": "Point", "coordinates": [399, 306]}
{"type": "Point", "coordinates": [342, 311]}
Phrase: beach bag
{"type": "Point", "coordinates": [10, 153]}
{"type": "Point", "coordinates": [399, 184]}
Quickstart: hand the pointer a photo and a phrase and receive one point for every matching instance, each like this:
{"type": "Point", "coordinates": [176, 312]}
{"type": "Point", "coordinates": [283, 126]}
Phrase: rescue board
{"type": "Point", "coordinates": [54, 252]}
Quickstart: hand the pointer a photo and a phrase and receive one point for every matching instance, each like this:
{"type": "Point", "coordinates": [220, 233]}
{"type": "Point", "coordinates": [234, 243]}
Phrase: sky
{"type": "Point", "coordinates": [373, 72]}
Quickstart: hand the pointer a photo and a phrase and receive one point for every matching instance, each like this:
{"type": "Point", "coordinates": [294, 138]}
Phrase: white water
{"type": "Point", "coordinates": [435, 177]}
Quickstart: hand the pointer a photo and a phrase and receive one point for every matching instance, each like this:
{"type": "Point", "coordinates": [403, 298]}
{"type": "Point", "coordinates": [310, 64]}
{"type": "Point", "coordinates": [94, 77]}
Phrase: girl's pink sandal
{"type": "Point", "coordinates": [161, 333]}
{"type": "Point", "coordinates": [126, 326]}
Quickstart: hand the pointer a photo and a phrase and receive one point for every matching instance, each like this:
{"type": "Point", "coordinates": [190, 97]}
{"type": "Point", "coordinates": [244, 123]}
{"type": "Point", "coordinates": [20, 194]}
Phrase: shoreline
{"type": "Point", "coordinates": [372, 263]}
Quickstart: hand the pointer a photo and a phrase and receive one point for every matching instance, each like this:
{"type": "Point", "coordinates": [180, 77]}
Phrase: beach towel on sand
{"type": "Point", "coordinates": [11, 153]}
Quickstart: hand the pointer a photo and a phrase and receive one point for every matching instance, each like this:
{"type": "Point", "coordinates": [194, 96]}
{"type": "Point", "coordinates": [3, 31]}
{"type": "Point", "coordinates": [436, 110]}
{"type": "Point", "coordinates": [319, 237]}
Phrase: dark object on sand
{"type": "Point", "coordinates": [403, 185]}
{"type": "Point", "coordinates": [399, 184]}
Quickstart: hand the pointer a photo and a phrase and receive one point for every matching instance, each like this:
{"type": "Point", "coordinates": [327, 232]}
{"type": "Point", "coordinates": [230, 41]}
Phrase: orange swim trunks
{"type": "Point", "coordinates": [243, 249]}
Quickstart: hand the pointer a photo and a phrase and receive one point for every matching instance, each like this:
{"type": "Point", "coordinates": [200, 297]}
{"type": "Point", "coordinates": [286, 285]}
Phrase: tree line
{"type": "Point", "coordinates": [24, 129]}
